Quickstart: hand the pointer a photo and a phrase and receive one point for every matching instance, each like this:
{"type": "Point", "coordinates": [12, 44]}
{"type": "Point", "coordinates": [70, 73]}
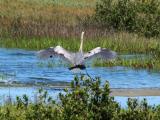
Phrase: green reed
{"type": "Point", "coordinates": [119, 42]}
{"type": "Point", "coordinates": [149, 63]}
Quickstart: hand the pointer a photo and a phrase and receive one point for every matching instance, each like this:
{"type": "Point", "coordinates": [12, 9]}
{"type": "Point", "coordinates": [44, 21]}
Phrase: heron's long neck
{"type": "Point", "coordinates": [81, 46]}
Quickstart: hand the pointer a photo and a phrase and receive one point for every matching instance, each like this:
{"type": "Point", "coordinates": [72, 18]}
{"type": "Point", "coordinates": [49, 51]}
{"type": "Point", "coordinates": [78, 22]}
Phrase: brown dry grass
{"type": "Point", "coordinates": [36, 18]}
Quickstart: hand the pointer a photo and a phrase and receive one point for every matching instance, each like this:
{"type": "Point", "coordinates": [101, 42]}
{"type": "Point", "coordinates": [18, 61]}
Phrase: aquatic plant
{"type": "Point", "coordinates": [150, 63]}
{"type": "Point", "coordinates": [2, 76]}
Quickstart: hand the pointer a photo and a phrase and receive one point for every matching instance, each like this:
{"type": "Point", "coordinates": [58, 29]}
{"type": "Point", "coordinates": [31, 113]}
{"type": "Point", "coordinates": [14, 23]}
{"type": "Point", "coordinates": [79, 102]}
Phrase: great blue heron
{"type": "Point", "coordinates": [77, 59]}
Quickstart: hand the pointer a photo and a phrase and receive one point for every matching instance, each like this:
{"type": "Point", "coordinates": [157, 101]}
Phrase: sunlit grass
{"type": "Point", "coordinates": [121, 43]}
{"type": "Point", "coordinates": [149, 63]}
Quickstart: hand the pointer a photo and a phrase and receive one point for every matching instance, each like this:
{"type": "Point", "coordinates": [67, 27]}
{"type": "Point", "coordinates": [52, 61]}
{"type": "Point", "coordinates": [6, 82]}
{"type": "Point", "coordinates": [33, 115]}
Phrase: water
{"type": "Point", "coordinates": [152, 100]}
{"type": "Point", "coordinates": [11, 93]}
{"type": "Point", "coordinates": [32, 92]}
{"type": "Point", "coordinates": [23, 68]}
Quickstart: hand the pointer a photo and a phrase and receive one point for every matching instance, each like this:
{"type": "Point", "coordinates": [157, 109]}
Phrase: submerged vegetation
{"type": "Point", "coordinates": [85, 100]}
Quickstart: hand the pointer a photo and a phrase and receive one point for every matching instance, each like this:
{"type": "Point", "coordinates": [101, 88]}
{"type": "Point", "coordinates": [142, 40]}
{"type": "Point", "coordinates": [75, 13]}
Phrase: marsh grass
{"type": "Point", "coordinates": [136, 63]}
{"type": "Point", "coordinates": [120, 42]}
{"type": "Point", "coordinates": [2, 76]}
{"type": "Point", "coordinates": [63, 18]}
{"type": "Point", "coordinates": [42, 18]}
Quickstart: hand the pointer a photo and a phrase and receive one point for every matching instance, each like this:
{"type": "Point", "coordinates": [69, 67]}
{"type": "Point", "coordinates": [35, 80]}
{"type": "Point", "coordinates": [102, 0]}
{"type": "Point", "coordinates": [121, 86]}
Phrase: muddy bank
{"type": "Point", "coordinates": [135, 92]}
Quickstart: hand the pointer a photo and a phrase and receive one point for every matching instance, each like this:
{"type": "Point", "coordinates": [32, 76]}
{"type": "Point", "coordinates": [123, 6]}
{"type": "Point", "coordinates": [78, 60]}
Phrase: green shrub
{"type": "Point", "coordinates": [130, 15]}
{"type": "Point", "coordinates": [86, 99]}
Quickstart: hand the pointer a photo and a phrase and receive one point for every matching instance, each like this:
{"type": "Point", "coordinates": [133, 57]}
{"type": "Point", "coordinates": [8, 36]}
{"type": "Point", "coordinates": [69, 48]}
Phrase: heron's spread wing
{"type": "Point", "coordinates": [57, 51]}
{"type": "Point", "coordinates": [100, 52]}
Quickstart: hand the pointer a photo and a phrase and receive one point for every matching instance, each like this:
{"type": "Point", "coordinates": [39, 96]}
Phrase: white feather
{"type": "Point", "coordinates": [77, 58]}
{"type": "Point", "coordinates": [100, 52]}
{"type": "Point", "coordinates": [57, 51]}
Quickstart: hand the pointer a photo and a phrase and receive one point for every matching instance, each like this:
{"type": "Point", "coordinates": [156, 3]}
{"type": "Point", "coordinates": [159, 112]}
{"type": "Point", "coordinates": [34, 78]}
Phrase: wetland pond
{"type": "Point", "coordinates": [25, 74]}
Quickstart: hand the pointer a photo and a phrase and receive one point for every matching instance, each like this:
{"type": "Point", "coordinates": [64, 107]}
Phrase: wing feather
{"type": "Point", "coordinates": [100, 52]}
{"type": "Point", "coordinates": [56, 51]}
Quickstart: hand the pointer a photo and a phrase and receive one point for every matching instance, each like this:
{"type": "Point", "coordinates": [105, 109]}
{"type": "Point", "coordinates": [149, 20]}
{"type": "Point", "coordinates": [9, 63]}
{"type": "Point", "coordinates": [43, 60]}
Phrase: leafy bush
{"type": "Point", "coordinates": [86, 99]}
{"type": "Point", "coordinates": [130, 15]}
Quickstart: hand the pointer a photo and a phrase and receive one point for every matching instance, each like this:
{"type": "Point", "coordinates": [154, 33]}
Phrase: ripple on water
{"type": "Point", "coordinates": [26, 68]}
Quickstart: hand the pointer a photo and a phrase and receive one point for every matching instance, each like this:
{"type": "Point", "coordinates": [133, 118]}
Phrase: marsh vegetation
{"type": "Point", "coordinates": [129, 27]}
{"type": "Point", "coordinates": [86, 99]}
{"type": "Point", "coordinates": [133, 28]}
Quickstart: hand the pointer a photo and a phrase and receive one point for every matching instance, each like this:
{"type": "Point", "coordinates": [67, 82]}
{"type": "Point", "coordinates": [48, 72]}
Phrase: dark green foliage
{"type": "Point", "coordinates": [87, 99]}
{"type": "Point", "coordinates": [130, 15]}
{"type": "Point", "coordinates": [136, 111]}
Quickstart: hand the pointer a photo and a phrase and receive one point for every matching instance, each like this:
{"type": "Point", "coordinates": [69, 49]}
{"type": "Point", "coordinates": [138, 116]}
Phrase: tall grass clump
{"type": "Point", "coordinates": [136, 63]}
{"type": "Point", "coordinates": [60, 18]}
{"type": "Point", "coordinates": [37, 18]}
{"type": "Point", "coordinates": [119, 42]}
{"type": "Point", "coordinates": [130, 15]}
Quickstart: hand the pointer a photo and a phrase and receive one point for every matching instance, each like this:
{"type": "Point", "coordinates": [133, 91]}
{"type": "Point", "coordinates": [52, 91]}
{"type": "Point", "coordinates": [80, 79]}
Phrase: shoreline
{"type": "Point", "coordinates": [123, 92]}
{"type": "Point", "coordinates": [134, 92]}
